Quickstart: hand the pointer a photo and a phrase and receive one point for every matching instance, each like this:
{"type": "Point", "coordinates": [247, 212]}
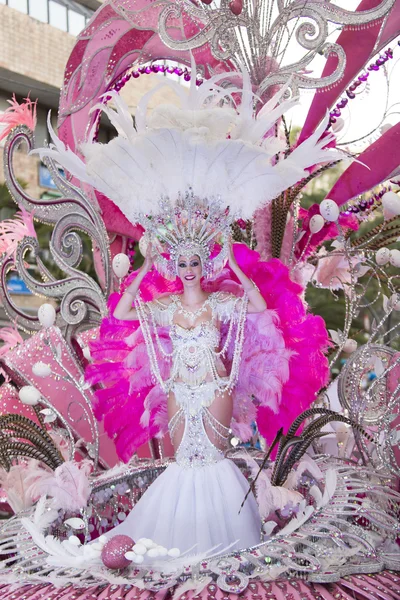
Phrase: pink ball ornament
{"type": "Point", "coordinates": [113, 553]}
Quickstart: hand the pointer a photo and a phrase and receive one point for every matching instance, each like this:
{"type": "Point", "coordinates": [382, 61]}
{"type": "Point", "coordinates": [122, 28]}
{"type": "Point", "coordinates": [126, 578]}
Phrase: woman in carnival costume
{"type": "Point", "coordinates": [186, 174]}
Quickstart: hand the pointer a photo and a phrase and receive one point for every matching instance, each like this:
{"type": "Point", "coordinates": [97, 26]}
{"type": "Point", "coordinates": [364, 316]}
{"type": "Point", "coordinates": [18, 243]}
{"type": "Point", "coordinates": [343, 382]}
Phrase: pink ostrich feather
{"type": "Point", "coordinates": [18, 114]}
{"type": "Point", "coordinates": [281, 345]}
{"type": "Point", "coordinates": [10, 337]}
{"type": "Point", "coordinates": [132, 407]}
{"type": "Point", "coordinates": [12, 231]}
{"type": "Point", "coordinates": [68, 486]}
{"type": "Point", "coordinates": [15, 484]}
{"type": "Point", "coordinates": [305, 340]}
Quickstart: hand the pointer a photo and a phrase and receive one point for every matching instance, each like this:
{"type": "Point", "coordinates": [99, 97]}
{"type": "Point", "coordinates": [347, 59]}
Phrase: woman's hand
{"type": "Point", "coordinates": [231, 257]}
{"type": "Point", "coordinates": [149, 259]}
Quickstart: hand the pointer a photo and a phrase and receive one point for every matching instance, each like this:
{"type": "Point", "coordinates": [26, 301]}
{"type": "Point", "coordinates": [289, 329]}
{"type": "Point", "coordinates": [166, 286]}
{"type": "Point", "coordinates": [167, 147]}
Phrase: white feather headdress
{"type": "Point", "coordinates": [208, 152]}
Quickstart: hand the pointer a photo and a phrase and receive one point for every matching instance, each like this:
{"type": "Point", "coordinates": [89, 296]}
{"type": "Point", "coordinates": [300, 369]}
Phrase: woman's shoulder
{"type": "Point", "coordinates": [165, 301]}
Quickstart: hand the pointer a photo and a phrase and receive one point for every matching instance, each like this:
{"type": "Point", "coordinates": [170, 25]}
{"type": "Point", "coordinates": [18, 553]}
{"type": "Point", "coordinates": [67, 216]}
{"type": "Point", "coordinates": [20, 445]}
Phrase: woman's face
{"type": "Point", "coordinates": [189, 270]}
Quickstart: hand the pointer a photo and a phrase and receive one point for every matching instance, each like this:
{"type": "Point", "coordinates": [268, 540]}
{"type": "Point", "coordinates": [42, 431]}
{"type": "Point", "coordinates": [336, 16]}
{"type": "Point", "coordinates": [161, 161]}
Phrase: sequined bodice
{"type": "Point", "coordinates": [197, 372]}
{"type": "Point", "coordinates": [205, 334]}
{"type": "Point", "coordinates": [194, 352]}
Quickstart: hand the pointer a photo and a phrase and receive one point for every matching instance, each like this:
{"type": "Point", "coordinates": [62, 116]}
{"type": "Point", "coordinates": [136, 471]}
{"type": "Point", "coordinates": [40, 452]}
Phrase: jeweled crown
{"type": "Point", "coordinates": [186, 227]}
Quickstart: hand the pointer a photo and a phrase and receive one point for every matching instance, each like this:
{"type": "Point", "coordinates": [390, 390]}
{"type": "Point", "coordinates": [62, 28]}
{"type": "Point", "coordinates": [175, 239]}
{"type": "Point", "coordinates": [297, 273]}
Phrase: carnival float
{"type": "Point", "coordinates": [84, 425]}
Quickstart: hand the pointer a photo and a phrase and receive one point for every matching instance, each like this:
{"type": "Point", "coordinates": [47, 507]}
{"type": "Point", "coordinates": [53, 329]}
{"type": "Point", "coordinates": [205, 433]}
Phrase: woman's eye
{"type": "Point", "coordinates": [195, 263]}
{"type": "Point", "coordinates": [182, 265]}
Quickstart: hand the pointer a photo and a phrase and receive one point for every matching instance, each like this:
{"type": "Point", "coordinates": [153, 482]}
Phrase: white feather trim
{"type": "Point", "coordinates": [188, 148]}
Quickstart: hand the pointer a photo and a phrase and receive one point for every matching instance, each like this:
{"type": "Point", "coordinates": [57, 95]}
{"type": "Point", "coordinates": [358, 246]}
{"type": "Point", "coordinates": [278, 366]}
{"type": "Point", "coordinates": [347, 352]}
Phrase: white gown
{"type": "Point", "coordinates": [194, 504]}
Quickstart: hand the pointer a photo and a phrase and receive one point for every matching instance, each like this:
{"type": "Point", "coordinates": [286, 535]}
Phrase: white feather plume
{"type": "Point", "coordinates": [120, 118]}
{"type": "Point", "coordinates": [215, 151]}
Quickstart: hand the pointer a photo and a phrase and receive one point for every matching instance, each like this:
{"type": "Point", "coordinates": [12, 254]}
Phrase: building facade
{"type": "Point", "coordinates": [36, 39]}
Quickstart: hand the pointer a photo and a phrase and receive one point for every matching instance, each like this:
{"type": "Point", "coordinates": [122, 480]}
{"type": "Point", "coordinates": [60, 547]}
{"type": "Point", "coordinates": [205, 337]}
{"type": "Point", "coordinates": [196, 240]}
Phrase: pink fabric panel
{"type": "Point", "coordinates": [382, 158]}
{"type": "Point", "coordinates": [61, 394]}
{"type": "Point", "coordinates": [358, 55]}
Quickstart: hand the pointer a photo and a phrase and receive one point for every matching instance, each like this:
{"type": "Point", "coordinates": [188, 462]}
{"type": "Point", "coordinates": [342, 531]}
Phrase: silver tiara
{"type": "Point", "coordinates": [186, 227]}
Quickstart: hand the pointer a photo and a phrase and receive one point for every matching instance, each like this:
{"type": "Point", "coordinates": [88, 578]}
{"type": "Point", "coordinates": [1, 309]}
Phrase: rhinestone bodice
{"type": "Point", "coordinates": [201, 428]}
{"type": "Point", "coordinates": [195, 350]}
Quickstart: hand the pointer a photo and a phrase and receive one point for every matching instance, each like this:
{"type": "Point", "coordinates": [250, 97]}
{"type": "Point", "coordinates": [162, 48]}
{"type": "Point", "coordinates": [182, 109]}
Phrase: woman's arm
{"type": "Point", "coordinates": [257, 303]}
{"type": "Point", "coordinates": [124, 309]}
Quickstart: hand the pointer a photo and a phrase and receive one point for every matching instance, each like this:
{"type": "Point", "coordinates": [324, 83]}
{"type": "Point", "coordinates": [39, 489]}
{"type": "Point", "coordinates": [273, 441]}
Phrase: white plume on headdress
{"type": "Point", "coordinates": [214, 150]}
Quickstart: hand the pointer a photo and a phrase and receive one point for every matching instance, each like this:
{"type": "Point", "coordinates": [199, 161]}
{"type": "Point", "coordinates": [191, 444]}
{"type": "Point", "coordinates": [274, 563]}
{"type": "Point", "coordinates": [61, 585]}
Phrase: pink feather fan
{"type": "Point", "coordinates": [12, 231]}
{"type": "Point", "coordinates": [10, 337]}
{"type": "Point", "coordinates": [69, 485]}
{"type": "Point", "coordinates": [18, 114]}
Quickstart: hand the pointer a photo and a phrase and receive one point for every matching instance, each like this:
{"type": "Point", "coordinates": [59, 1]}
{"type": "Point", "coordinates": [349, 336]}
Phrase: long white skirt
{"type": "Point", "coordinates": [199, 507]}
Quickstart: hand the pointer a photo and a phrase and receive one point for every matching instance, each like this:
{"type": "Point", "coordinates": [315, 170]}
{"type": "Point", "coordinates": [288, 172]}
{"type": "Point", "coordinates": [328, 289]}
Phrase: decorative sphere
{"type": "Point", "coordinates": [391, 204]}
{"type": "Point", "coordinates": [120, 265]}
{"type": "Point", "coordinates": [143, 243]}
{"type": "Point", "coordinates": [385, 127]}
{"type": "Point", "coordinates": [113, 553]}
{"type": "Point", "coordinates": [40, 369]}
{"type": "Point", "coordinates": [329, 210]}
{"type": "Point", "coordinates": [316, 223]}
{"type": "Point", "coordinates": [382, 256]}
{"type": "Point", "coordinates": [338, 125]}
{"type": "Point", "coordinates": [236, 7]}
{"type": "Point", "coordinates": [395, 301]}
{"type": "Point", "coordinates": [139, 549]}
{"type": "Point", "coordinates": [395, 258]}
{"type": "Point", "coordinates": [28, 394]}
{"type": "Point", "coordinates": [47, 314]}
{"type": "Point", "coordinates": [350, 346]}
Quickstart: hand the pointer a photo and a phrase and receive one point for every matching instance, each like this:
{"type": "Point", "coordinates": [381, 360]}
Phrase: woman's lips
{"type": "Point", "coordinates": [190, 277]}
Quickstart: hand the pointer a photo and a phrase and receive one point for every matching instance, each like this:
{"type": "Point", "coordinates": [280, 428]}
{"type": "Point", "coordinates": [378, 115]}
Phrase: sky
{"type": "Point", "coordinates": [364, 114]}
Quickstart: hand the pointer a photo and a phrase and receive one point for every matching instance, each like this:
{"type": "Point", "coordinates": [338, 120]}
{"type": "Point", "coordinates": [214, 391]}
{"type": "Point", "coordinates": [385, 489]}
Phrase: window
{"type": "Point", "coordinates": [38, 10]}
{"type": "Point", "coordinates": [58, 15]}
{"type": "Point", "coordinates": [76, 22]}
{"type": "Point", "coordinates": [66, 15]}
{"type": "Point", "coordinates": [21, 5]}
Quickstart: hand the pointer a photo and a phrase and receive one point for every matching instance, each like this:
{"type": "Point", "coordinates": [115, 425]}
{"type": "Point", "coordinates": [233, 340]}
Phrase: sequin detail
{"type": "Point", "coordinates": [196, 449]}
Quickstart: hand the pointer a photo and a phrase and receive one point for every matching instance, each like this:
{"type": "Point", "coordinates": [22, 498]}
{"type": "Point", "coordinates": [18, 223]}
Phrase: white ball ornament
{"type": "Point", "coordinates": [329, 210]}
{"type": "Point", "coordinates": [130, 555]}
{"type": "Point", "coordinates": [395, 258]}
{"type": "Point", "coordinates": [138, 559]}
{"type": "Point", "coordinates": [395, 302]}
{"type": "Point", "coordinates": [143, 243]}
{"type": "Point", "coordinates": [47, 315]}
{"type": "Point", "coordinates": [29, 395]}
{"type": "Point", "coordinates": [174, 552]}
{"type": "Point", "coordinates": [385, 127]}
{"type": "Point", "coordinates": [40, 369]}
{"type": "Point", "coordinates": [382, 256]}
{"type": "Point", "coordinates": [153, 552]}
{"type": "Point", "coordinates": [391, 204]}
{"type": "Point", "coordinates": [162, 551]}
{"type": "Point", "coordinates": [316, 223]}
{"type": "Point", "coordinates": [139, 549]}
{"type": "Point", "coordinates": [120, 265]}
{"type": "Point", "coordinates": [350, 346]}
